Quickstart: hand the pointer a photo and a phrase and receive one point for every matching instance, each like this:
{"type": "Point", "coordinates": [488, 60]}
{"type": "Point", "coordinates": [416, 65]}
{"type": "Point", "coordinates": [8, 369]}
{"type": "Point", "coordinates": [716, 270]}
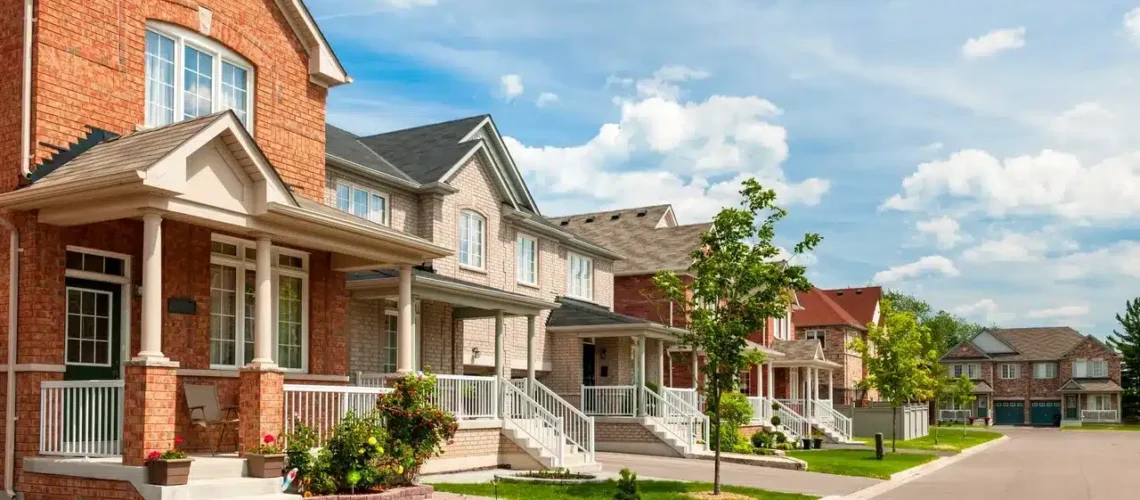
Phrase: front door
{"type": "Point", "coordinates": [1072, 410]}
{"type": "Point", "coordinates": [588, 366]}
{"type": "Point", "coordinates": [93, 348]}
{"type": "Point", "coordinates": [983, 407]}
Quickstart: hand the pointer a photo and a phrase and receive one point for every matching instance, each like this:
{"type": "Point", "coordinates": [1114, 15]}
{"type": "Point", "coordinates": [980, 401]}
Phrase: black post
{"type": "Point", "coordinates": [879, 445]}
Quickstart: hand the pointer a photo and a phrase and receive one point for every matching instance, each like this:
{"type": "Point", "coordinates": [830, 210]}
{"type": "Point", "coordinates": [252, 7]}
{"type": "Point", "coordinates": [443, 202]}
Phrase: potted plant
{"type": "Point", "coordinates": [816, 439]}
{"type": "Point", "coordinates": [987, 421]}
{"type": "Point", "coordinates": [805, 442]}
{"type": "Point", "coordinates": [776, 420]}
{"type": "Point", "coordinates": [971, 420]}
{"type": "Point", "coordinates": [267, 459]}
{"type": "Point", "coordinates": [168, 468]}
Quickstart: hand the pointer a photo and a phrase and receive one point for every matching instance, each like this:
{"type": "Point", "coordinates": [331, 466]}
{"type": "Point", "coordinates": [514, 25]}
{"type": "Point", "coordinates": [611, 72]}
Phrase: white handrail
{"type": "Point", "coordinates": [609, 400]}
{"type": "Point", "coordinates": [679, 402]}
{"type": "Point", "coordinates": [826, 416]}
{"type": "Point", "coordinates": [81, 418]}
{"type": "Point", "coordinates": [681, 424]}
{"type": "Point", "coordinates": [523, 412]}
{"type": "Point", "coordinates": [1099, 415]}
{"type": "Point", "coordinates": [322, 407]}
{"type": "Point", "coordinates": [687, 395]}
{"type": "Point", "coordinates": [761, 410]}
{"type": "Point", "coordinates": [579, 427]}
{"type": "Point", "coordinates": [792, 422]}
{"type": "Point", "coordinates": [465, 396]}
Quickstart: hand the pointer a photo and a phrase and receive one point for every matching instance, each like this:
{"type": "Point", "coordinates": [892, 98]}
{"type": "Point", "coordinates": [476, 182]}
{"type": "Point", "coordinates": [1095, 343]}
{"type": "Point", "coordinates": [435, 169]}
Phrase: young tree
{"type": "Point", "coordinates": [898, 365]}
{"type": "Point", "coordinates": [963, 393]}
{"type": "Point", "coordinates": [1127, 343]}
{"type": "Point", "coordinates": [738, 283]}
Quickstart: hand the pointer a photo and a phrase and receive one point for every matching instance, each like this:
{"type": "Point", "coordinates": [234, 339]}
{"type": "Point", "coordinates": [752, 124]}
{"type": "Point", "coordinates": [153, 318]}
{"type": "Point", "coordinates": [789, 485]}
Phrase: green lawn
{"type": "Point", "coordinates": [1104, 427]}
{"type": "Point", "coordinates": [860, 462]}
{"type": "Point", "coordinates": [949, 439]}
{"type": "Point", "coordinates": [650, 490]}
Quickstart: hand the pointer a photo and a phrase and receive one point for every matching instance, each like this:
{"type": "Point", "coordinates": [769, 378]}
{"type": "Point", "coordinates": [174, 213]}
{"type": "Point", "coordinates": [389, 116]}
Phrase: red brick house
{"type": "Point", "coordinates": [165, 176]}
{"type": "Point", "coordinates": [1037, 376]}
{"type": "Point", "coordinates": [834, 318]}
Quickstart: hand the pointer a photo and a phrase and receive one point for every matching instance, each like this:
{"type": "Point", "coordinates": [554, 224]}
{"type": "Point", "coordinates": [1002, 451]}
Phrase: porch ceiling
{"type": "Point", "coordinates": [469, 300]}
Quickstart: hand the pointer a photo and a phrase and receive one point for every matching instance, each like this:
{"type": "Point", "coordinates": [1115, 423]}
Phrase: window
{"type": "Point", "coordinates": [188, 75]}
{"type": "Point", "coordinates": [362, 202]}
{"type": "Point", "coordinates": [815, 335]}
{"type": "Point", "coordinates": [745, 382]}
{"type": "Point", "coordinates": [526, 260]}
{"type": "Point", "coordinates": [472, 228]}
{"type": "Point", "coordinates": [1044, 370]}
{"type": "Point", "coordinates": [94, 263]}
{"type": "Point", "coordinates": [389, 345]}
{"type": "Point", "coordinates": [88, 327]}
{"type": "Point", "coordinates": [1100, 402]}
{"type": "Point", "coordinates": [970, 370]}
{"type": "Point", "coordinates": [1010, 371]}
{"type": "Point", "coordinates": [232, 313]}
{"type": "Point", "coordinates": [1096, 368]}
{"type": "Point", "coordinates": [581, 277]}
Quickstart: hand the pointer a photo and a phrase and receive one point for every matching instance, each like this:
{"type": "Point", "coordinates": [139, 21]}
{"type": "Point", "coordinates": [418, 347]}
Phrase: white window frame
{"type": "Point", "coordinates": [1045, 370]}
{"type": "Point", "coordinates": [110, 327]}
{"type": "Point", "coordinates": [383, 219]}
{"type": "Point", "coordinates": [461, 251]}
{"type": "Point", "coordinates": [816, 334]}
{"type": "Point", "coordinates": [972, 371]}
{"type": "Point", "coordinates": [1010, 371]}
{"type": "Point", "coordinates": [1099, 402]}
{"type": "Point", "coordinates": [519, 265]}
{"type": "Point", "coordinates": [241, 264]}
{"type": "Point", "coordinates": [588, 285]}
{"type": "Point", "coordinates": [183, 38]}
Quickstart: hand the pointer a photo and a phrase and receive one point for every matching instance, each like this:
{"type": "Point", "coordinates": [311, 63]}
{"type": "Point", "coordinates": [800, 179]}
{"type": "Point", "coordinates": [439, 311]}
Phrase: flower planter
{"type": "Point", "coordinates": [265, 465]}
{"type": "Point", "coordinates": [168, 472]}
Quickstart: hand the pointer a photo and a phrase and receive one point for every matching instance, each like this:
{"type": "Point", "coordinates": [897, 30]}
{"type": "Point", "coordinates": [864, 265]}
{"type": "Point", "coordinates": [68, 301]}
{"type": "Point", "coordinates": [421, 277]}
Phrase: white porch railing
{"type": "Point", "coordinates": [465, 396]}
{"type": "Point", "coordinates": [609, 400]}
{"type": "Point", "coordinates": [81, 418]}
{"type": "Point", "coordinates": [953, 415]}
{"type": "Point", "coordinates": [322, 407]}
{"type": "Point", "coordinates": [761, 409]}
{"type": "Point", "coordinates": [578, 427]}
{"type": "Point", "coordinates": [680, 402]}
{"type": "Point", "coordinates": [676, 421]}
{"type": "Point", "coordinates": [543, 427]}
{"type": "Point", "coordinates": [795, 405]}
{"type": "Point", "coordinates": [689, 396]}
{"type": "Point", "coordinates": [826, 416]}
{"type": "Point", "coordinates": [1094, 416]}
{"type": "Point", "coordinates": [793, 423]}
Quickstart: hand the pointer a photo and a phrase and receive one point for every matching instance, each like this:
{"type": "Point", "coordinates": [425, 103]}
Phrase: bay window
{"type": "Point", "coordinates": [472, 230]}
{"type": "Point", "coordinates": [362, 202]}
{"type": "Point", "coordinates": [189, 75]}
{"type": "Point", "coordinates": [233, 304]}
{"type": "Point", "coordinates": [581, 277]}
{"type": "Point", "coordinates": [526, 260]}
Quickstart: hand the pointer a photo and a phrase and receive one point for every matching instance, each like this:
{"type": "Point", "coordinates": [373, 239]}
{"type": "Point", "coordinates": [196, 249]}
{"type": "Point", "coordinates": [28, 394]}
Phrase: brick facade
{"type": "Point", "coordinates": [836, 340]}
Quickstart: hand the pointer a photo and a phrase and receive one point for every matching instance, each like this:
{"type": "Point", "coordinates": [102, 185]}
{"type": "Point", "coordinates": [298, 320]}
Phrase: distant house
{"type": "Point", "coordinates": [834, 318]}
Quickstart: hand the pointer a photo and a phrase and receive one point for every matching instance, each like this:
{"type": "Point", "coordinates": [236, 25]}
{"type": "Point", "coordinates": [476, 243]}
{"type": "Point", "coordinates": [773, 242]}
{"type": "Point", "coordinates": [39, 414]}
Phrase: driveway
{"type": "Point", "coordinates": [683, 469]}
{"type": "Point", "coordinates": [1038, 464]}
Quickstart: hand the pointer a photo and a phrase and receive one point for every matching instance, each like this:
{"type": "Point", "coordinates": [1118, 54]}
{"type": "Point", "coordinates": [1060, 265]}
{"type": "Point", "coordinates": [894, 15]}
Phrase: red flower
{"type": "Point", "coordinates": [153, 455]}
{"type": "Point", "coordinates": [178, 441]}
{"type": "Point", "coordinates": [269, 439]}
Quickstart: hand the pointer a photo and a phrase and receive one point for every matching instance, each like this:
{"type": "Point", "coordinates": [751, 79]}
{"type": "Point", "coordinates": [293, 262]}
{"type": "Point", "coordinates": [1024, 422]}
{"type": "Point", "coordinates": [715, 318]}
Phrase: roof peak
{"type": "Point", "coordinates": [612, 211]}
{"type": "Point", "coordinates": [479, 117]}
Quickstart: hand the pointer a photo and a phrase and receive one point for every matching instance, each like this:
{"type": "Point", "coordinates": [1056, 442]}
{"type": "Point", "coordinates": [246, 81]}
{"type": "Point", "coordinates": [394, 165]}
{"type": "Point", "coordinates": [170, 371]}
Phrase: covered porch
{"type": "Point", "coordinates": [952, 412]}
{"type": "Point", "coordinates": [1092, 401]}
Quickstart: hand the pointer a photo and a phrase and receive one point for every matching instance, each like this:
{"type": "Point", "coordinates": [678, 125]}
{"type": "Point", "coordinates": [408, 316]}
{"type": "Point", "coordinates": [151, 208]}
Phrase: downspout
{"type": "Point", "coordinates": [26, 95]}
{"type": "Point", "coordinates": [10, 408]}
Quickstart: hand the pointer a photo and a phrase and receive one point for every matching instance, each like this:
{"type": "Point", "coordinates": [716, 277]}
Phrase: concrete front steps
{"type": "Point", "coordinates": [214, 478]}
{"type": "Point", "coordinates": [573, 458]}
{"type": "Point", "coordinates": [669, 438]}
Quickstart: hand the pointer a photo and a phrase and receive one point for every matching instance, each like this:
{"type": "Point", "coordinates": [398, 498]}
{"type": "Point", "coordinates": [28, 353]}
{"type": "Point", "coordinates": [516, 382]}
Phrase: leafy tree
{"type": "Point", "coordinates": [1127, 343]}
{"type": "Point", "coordinates": [963, 393]}
{"type": "Point", "coordinates": [946, 330]}
{"type": "Point", "coordinates": [738, 284]}
{"type": "Point", "coordinates": [898, 366]}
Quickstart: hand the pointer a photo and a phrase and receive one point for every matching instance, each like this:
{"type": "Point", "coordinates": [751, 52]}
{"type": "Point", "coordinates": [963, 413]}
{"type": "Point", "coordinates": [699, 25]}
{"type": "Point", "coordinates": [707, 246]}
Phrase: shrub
{"type": "Point", "coordinates": [353, 458]}
{"type": "Point", "coordinates": [780, 437]}
{"type": "Point", "coordinates": [417, 429]}
{"type": "Point", "coordinates": [776, 420]}
{"type": "Point", "coordinates": [627, 488]}
{"type": "Point", "coordinates": [735, 411]}
{"type": "Point", "coordinates": [761, 440]}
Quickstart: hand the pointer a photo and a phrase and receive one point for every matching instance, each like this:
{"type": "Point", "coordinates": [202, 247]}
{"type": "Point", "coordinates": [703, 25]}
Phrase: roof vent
{"type": "Point", "coordinates": [564, 223]}
{"type": "Point", "coordinates": [859, 292]}
{"type": "Point", "coordinates": [615, 216]}
{"type": "Point", "coordinates": [590, 219]}
{"type": "Point", "coordinates": [839, 292]}
{"type": "Point", "coordinates": [641, 213]}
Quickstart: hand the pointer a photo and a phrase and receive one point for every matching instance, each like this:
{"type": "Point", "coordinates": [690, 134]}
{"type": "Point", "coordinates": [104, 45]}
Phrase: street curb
{"type": "Point", "coordinates": [909, 475]}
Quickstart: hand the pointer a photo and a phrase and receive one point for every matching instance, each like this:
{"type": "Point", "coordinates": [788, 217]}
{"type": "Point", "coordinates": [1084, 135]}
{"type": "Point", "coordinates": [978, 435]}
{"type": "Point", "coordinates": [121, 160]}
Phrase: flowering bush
{"type": "Point", "coordinates": [352, 460]}
{"type": "Point", "coordinates": [171, 454]}
{"type": "Point", "coordinates": [417, 429]}
{"type": "Point", "coordinates": [268, 446]}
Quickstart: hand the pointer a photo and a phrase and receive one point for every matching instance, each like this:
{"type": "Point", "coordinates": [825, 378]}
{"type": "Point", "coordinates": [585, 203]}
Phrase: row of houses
{"type": "Point", "coordinates": [190, 238]}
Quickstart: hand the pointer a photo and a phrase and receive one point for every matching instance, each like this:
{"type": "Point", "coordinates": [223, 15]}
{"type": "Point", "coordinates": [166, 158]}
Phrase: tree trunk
{"type": "Point", "coordinates": [894, 426]}
{"type": "Point", "coordinates": [716, 434]}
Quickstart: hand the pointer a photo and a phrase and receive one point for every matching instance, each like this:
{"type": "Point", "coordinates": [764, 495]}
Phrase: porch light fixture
{"type": "Point", "coordinates": [602, 353]}
{"type": "Point", "coordinates": [474, 353]}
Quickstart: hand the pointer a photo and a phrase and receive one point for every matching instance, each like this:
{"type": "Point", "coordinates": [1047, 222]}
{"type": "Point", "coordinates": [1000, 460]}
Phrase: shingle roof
{"type": "Point", "coordinates": [859, 302]}
{"type": "Point", "coordinates": [427, 152]}
{"type": "Point", "coordinates": [1091, 385]}
{"type": "Point", "coordinates": [819, 309]}
{"type": "Point", "coordinates": [982, 387]}
{"type": "Point", "coordinates": [634, 233]}
{"type": "Point", "coordinates": [347, 146]}
{"type": "Point", "coordinates": [797, 350]}
{"type": "Point", "coordinates": [1037, 343]}
{"type": "Point", "coordinates": [578, 313]}
{"type": "Point", "coordinates": [425, 274]}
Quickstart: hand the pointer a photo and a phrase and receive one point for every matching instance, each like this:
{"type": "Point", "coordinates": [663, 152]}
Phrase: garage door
{"type": "Point", "coordinates": [1045, 412]}
{"type": "Point", "coordinates": [1009, 412]}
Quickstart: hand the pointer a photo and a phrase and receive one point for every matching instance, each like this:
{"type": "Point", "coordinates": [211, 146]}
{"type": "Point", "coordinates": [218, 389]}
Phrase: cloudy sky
{"type": "Point", "coordinates": [984, 155]}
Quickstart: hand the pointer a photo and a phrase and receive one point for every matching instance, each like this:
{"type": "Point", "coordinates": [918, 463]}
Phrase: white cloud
{"type": "Point", "coordinates": [1087, 122]}
{"type": "Point", "coordinates": [546, 99]}
{"type": "Point", "coordinates": [511, 86]}
{"type": "Point", "coordinates": [993, 42]}
{"type": "Point", "coordinates": [946, 231]}
{"type": "Point", "coordinates": [984, 308]}
{"type": "Point", "coordinates": [1069, 311]}
{"type": "Point", "coordinates": [929, 265]}
{"type": "Point", "coordinates": [1012, 247]}
{"type": "Point", "coordinates": [1121, 259]}
{"type": "Point", "coordinates": [932, 147]}
{"type": "Point", "coordinates": [1052, 183]}
{"type": "Point", "coordinates": [693, 154]}
{"type": "Point", "coordinates": [807, 259]}
{"type": "Point", "coordinates": [1132, 25]}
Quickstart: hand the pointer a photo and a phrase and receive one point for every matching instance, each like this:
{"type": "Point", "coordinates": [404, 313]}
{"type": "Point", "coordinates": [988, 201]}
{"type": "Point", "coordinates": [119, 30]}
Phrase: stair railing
{"type": "Point", "coordinates": [525, 414]}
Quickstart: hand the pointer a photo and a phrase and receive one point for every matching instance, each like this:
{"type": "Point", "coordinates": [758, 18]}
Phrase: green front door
{"type": "Point", "coordinates": [1072, 411]}
{"type": "Point", "coordinates": [92, 352]}
{"type": "Point", "coordinates": [1009, 412]}
{"type": "Point", "coordinates": [1044, 412]}
{"type": "Point", "coordinates": [982, 409]}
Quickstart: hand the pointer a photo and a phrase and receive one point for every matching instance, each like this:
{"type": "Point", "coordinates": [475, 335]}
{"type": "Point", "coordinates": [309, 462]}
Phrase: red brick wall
{"type": "Point", "coordinates": [89, 70]}
{"type": "Point", "coordinates": [46, 486]}
{"type": "Point", "coordinates": [1090, 349]}
{"type": "Point", "coordinates": [637, 296]}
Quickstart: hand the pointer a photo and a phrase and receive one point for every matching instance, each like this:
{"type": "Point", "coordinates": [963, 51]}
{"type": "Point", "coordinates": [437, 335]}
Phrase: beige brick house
{"type": "Point", "coordinates": [1036, 376]}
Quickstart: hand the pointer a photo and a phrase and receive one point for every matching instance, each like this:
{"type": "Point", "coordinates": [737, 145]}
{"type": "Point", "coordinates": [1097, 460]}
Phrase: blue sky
{"type": "Point", "coordinates": [980, 154]}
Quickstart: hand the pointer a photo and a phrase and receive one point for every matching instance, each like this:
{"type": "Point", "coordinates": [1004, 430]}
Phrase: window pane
{"type": "Point", "coordinates": [360, 203]}
{"type": "Point", "coordinates": [223, 317]}
{"type": "Point", "coordinates": [250, 309]}
{"type": "Point", "coordinates": [343, 198]}
{"type": "Point", "coordinates": [289, 341]}
{"type": "Point", "coordinates": [235, 90]}
{"type": "Point", "coordinates": [197, 83]}
{"type": "Point", "coordinates": [379, 209]}
{"type": "Point", "coordinates": [159, 80]}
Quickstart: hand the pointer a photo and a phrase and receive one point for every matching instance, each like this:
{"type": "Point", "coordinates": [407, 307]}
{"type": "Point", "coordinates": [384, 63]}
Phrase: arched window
{"type": "Point", "coordinates": [472, 231]}
{"type": "Point", "coordinates": [189, 75]}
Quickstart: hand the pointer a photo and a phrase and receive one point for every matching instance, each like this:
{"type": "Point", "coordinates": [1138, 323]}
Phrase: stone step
{"type": "Point", "coordinates": [203, 468]}
{"type": "Point", "coordinates": [210, 489]}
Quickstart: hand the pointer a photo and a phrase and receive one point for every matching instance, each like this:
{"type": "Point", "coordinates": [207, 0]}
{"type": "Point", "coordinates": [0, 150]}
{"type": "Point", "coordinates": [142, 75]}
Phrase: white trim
{"type": "Point", "coordinates": [570, 256]}
{"type": "Point", "coordinates": [510, 161]}
{"type": "Point", "coordinates": [1014, 371]}
{"type": "Point", "coordinates": [1056, 368]}
{"type": "Point", "coordinates": [519, 238]}
{"type": "Point", "coordinates": [492, 165]}
{"type": "Point", "coordinates": [482, 267]}
{"type": "Point", "coordinates": [353, 186]}
{"type": "Point", "coordinates": [231, 373]}
{"type": "Point", "coordinates": [110, 322]}
{"type": "Point", "coordinates": [324, 68]}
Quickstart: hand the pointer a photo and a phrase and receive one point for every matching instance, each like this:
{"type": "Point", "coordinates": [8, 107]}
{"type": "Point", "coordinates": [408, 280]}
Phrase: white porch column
{"type": "Point", "coordinates": [263, 315]}
{"type": "Point", "coordinates": [669, 357]}
{"type": "Point", "coordinates": [660, 362]}
{"type": "Point", "coordinates": [693, 370]}
{"type": "Point", "coordinates": [830, 388]}
{"type": "Point", "coordinates": [151, 341]}
{"type": "Point", "coordinates": [530, 351]}
{"type": "Point", "coordinates": [404, 333]}
{"type": "Point", "coordinates": [640, 374]}
{"type": "Point", "coordinates": [499, 359]}
{"type": "Point", "coordinates": [771, 381]}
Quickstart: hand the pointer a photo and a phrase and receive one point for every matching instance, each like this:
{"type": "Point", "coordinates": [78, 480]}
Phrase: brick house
{"type": "Point", "coordinates": [834, 318]}
{"type": "Point", "coordinates": [1038, 376]}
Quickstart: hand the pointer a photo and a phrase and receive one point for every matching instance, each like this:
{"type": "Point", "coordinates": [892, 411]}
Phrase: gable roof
{"type": "Point", "coordinates": [344, 145]}
{"type": "Point", "coordinates": [798, 350]}
{"type": "Point", "coordinates": [1091, 385]}
{"type": "Point", "coordinates": [324, 67]}
{"type": "Point", "coordinates": [819, 309]}
{"type": "Point", "coordinates": [580, 313]}
{"type": "Point", "coordinates": [860, 302]}
{"type": "Point", "coordinates": [1029, 344]}
{"type": "Point", "coordinates": [648, 237]}
{"type": "Point", "coordinates": [428, 152]}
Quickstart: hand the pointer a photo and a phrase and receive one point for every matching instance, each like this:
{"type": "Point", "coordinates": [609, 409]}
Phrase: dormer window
{"type": "Point", "coordinates": [188, 75]}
